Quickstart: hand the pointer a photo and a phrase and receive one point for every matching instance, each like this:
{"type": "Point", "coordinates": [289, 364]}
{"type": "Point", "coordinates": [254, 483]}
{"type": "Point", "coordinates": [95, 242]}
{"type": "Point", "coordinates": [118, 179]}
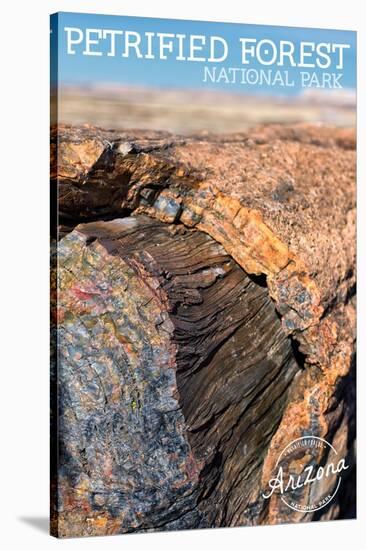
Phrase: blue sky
{"type": "Point", "coordinates": [84, 70]}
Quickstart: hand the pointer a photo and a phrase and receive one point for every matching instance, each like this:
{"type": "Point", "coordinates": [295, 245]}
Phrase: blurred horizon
{"type": "Point", "coordinates": [120, 106]}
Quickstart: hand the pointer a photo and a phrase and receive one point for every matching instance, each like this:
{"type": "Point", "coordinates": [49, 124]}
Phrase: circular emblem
{"type": "Point", "coordinates": [307, 474]}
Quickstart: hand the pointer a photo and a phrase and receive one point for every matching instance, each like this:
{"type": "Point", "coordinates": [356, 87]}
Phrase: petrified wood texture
{"type": "Point", "coordinates": [173, 374]}
{"type": "Point", "coordinates": [181, 378]}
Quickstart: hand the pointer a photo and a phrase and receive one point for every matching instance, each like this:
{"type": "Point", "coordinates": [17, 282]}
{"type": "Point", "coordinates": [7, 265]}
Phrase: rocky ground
{"type": "Point", "coordinates": [204, 318]}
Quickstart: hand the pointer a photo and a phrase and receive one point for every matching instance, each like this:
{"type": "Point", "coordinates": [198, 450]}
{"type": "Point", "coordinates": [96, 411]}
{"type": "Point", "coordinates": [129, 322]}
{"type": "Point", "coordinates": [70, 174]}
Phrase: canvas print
{"type": "Point", "coordinates": [202, 275]}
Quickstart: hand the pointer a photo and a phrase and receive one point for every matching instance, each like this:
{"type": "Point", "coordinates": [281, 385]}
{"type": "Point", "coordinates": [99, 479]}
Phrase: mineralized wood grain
{"type": "Point", "coordinates": [279, 202]}
{"type": "Point", "coordinates": [173, 372]}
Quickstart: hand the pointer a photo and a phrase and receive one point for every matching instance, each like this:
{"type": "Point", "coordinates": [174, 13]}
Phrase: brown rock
{"type": "Point", "coordinates": [281, 203]}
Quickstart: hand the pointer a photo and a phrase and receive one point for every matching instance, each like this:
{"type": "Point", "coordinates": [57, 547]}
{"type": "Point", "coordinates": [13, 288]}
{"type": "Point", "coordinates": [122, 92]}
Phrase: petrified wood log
{"type": "Point", "coordinates": [208, 324]}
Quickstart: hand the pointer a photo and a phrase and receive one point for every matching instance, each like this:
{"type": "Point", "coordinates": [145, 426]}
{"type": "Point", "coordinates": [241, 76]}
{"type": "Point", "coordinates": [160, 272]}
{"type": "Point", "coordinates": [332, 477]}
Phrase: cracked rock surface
{"type": "Point", "coordinates": [204, 318]}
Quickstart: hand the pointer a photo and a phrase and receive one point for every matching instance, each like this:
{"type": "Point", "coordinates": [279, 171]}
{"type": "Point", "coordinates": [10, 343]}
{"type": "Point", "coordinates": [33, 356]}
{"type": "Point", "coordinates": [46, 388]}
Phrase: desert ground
{"type": "Point", "coordinates": [187, 111]}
